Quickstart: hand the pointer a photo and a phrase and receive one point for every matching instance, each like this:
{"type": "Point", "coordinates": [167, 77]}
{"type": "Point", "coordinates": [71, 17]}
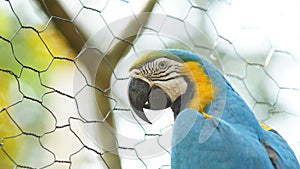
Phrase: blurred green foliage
{"type": "Point", "coordinates": [24, 54]}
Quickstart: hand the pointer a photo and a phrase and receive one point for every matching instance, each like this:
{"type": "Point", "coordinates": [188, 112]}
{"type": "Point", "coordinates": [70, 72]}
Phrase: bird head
{"type": "Point", "coordinates": [168, 78]}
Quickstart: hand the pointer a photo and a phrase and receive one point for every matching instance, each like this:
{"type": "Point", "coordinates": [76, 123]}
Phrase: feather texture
{"type": "Point", "coordinates": [232, 139]}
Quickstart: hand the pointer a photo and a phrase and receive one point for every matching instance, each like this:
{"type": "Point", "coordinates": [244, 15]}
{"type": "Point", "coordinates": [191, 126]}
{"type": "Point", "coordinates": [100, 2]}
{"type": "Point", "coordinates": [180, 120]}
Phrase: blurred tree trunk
{"type": "Point", "coordinates": [104, 71]}
{"type": "Point", "coordinates": [76, 41]}
{"type": "Point", "coordinates": [73, 35]}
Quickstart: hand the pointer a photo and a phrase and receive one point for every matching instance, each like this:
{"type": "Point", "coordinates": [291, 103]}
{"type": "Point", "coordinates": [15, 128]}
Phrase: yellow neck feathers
{"type": "Point", "coordinates": [204, 89]}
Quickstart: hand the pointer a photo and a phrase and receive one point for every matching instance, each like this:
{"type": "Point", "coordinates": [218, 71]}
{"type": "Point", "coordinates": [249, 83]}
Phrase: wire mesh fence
{"type": "Point", "coordinates": [64, 74]}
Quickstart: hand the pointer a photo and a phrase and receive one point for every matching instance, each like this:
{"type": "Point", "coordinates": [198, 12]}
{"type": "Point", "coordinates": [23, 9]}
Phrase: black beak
{"type": "Point", "coordinates": [141, 95]}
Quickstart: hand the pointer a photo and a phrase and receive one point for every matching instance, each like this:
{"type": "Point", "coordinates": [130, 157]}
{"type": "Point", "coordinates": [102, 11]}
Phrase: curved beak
{"type": "Point", "coordinates": [142, 95]}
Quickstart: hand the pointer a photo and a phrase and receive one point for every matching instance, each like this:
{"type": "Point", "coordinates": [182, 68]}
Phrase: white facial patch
{"type": "Point", "coordinates": [164, 73]}
{"type": "Point", "coordinates": [174, 88]}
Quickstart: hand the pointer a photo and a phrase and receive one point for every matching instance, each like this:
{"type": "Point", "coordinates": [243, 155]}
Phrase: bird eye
{"type": "Point", "coordinates": [162, 65]}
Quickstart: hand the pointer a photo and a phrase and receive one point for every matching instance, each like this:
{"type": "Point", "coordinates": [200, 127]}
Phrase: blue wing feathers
{"type": "Point", "coordinates": [237, 140]}
{"type": "Point", "coordinates": [227, 147]}
{"type": "Point", "coordinates": [221, 150]}
{"type": "Point", "coordinates": [284, 156]}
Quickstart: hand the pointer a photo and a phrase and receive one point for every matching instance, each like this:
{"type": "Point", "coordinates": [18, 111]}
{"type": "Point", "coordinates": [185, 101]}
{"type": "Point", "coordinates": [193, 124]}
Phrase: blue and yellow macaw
{"type": "Point", "coordinates": [214, 127]}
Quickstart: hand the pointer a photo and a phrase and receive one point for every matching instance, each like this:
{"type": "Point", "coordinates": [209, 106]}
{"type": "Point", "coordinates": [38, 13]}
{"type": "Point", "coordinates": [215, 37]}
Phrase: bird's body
{"type": "Point", "coordinates": [214, 127]}
{"type": "Point", "coordinates": [226, 147]}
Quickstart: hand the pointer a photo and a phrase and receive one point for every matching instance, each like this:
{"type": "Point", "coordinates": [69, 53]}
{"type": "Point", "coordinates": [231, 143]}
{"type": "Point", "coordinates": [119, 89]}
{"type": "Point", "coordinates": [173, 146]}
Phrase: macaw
{"type": "Point", "coordinates": [214, 127]}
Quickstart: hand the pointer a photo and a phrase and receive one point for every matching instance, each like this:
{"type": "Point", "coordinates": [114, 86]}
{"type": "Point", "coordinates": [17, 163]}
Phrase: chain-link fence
{"type": "Point", "coordinates": [64, 74]}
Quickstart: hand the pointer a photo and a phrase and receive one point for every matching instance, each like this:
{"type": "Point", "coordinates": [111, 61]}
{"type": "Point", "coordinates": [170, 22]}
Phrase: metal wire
{"type": "Point", "coordinates": [45, 137]}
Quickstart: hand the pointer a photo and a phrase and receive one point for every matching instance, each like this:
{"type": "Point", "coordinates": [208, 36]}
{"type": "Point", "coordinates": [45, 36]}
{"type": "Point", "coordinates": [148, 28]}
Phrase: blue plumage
{"type": "Point", "coordinates": [224, 134]}
{"type": "Point", "coordinates": [232, 139]}
{"type": "Point", "coordinates": [227, 147]}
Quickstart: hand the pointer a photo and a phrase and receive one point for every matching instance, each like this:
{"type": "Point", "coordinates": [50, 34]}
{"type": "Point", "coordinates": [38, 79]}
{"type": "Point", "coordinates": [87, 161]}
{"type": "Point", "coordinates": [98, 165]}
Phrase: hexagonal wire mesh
{"type": "Point", "coordinates": [64, 74]}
